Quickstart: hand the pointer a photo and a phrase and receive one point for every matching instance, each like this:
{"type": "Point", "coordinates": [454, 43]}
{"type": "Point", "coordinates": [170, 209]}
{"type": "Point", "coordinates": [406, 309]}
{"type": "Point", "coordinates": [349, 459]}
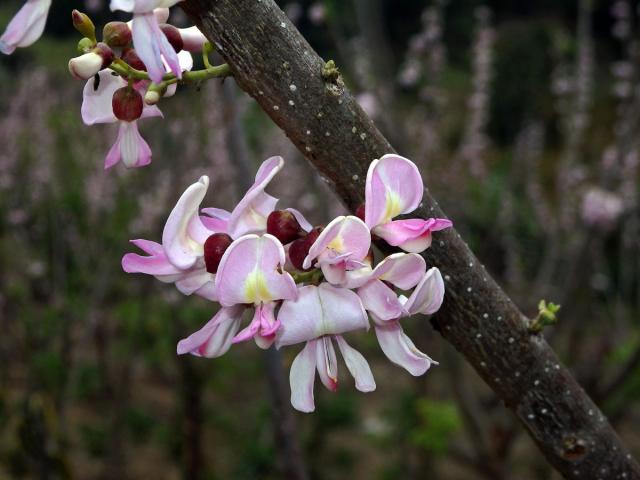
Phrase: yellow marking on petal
{"type": "Point", "coordinates": [256, 289]}
{"type": "Point", "coordinates": [393, 207]}
{"type": "Point", "coordinates": [336, 244]}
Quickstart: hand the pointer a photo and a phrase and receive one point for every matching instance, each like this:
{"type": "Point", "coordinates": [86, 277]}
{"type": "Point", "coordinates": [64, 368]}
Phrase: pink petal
{"type": "Point", "coordinates": [216, 219]}
{"type": "Point", "coordinates": [114, 154]}
{"type": "Point", "coordinates": [400, 349]}
{"type": "Point", "coordinates": [393, 187]}
{"type": "Point", "coordinates": [248, 272]}
{"type": "Point", "coordinates": [344, 235]}
{"type": "Point", "coordinates": [413, 234]}
{"type": "Point", "coordinates": [134, 150]}
{"type": "Point", "coordinates": [401, 269]}
{"type": "Point", "coordinates": [250, 215]}
{"type": "Point", "coordinates": [428, 294]}
{"type": "Point", "coordinates": [96, 103]}
{"type": "Point", "coordinates": [26, 26]}
{"type": "Point", "coordinates": [215, 338]}
{"type": "Point", "coordinates": [155, 264]}
{"type": "Point", "coordinates": [193, 39]}
{"type": "Point", "coordinates": [263, 324]}
{"type": "Point", "coordinates": [357, 366]}
{"type": "Point", "coordinates": [327, 363]}
{"type": "Point", "coordinates": [193, 281]}
{"type": "Point", "coordinates": [302, 378]}
{"type": "Point", "coordinates": [151, 44]}
{"type": "Point", "coordinates": [318, 311]}
{"type": "Point", "coordinates": [380, 300]}
{"type": "Point", "coordinates": [306, 226]}
{"type": "Point", "coordinates": [180, 248]}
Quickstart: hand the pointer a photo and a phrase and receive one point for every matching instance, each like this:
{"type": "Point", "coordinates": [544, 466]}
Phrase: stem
{"type": "Point", "coordinates": [126, 71]}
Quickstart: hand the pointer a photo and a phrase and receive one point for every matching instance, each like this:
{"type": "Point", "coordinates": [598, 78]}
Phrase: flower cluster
{"type": "Point", "coordinates": [132, 68]}
{"type": "Point", "coordinates": [301, 284]}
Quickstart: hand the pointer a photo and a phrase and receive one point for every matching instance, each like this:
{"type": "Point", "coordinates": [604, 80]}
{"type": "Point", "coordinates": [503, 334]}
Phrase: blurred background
{"type": "Point", "coordinates": [524, 119]}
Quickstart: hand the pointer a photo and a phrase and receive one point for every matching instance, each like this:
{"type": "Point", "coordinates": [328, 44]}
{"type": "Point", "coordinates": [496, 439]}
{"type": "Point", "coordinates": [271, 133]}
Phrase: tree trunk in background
{"type": "Point", "coordinates": [268, 57]}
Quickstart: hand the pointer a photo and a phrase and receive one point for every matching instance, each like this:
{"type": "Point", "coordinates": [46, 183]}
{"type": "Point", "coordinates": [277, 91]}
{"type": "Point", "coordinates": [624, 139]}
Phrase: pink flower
{"type": "Point", "coordinates": [404, 271]}
{"type": "Point", "coordinates": [251, 273]}
{"type": "Point", "coordinates": [343, 245]}
{"type": "Point", "coordinates": [180, 259]}
{"type": "Point", "coordinates": [26, 26]}
{"type": "Point", "coordinates": [97, 107]}
{"type": "Point", "coordinates": [319, 316]}
{"type": "Point", "coordinates": [394, 187]}
{"type": "Point", "coordinates": [150, 42]}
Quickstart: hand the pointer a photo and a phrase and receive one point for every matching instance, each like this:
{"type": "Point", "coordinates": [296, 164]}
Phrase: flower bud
{"type": "Point", "coordinates": [85, 45]}
{"type": "Point", "coordinates": [116, 34]}
{"type": "Point", "coordinates": [214, 248]}
{"type": "Point", "coordinates": [283, 225]}
{"type": "Point", "coordinates": [87, 65]}
{"type": "Point", "coordinates": [83, 24]}
{"type": "Point", "coordinates": [152, 97]}
{"type": "Point", "coordinates": [299, 249]}
{"type": "Point", "coordinates": [360, 212]}
{"type": "Point", "coordinates": [130, 57]}
{"type": "Point", "coordinates": [127, 104]}
{"type": "Point", "coordinates": [173, 35]}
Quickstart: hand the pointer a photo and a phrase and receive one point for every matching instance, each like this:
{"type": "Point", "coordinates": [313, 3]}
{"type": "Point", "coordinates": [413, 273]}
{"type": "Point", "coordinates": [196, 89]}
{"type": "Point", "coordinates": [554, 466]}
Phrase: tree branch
{"type": "Point", "coordinates": [273, 63]}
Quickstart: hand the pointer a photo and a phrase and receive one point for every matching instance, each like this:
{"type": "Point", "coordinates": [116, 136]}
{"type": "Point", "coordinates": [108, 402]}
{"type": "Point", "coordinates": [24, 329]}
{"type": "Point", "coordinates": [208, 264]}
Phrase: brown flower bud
{"type": "Point", "coordinates": [173, 35]}
{"type": "Point", "coordinates": [283, 225]}
{"type": "Point", "coordinates": [299, 249]}
{"type": "Point", "coordinates": [127, 104]}
{"type": "Point", "coordinates": [116, 34]}
{"type": "Point", "coordinates": [130, 57]}
{"type": "Point", "coordinates": [214, 248]}
{"type": "Point", "coordinates": [360, 212]}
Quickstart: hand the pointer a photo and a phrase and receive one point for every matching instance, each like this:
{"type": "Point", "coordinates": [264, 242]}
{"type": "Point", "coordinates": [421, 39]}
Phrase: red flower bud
{"type": "Point", "coordinates": [127, 104]}
{"type": "Point", "coordinates": [283, 225]}
{"type": "Point", "coordinates": [173, 35]}
{"type": "Point", "coordinates": [116, 34]}
{"type": "Point", "coordinates": [214, 248]}
{"type": "Point", "coordinates": [360, 212]}
{"type": "Point", "coordinates": [130, 57]}
{"type": "Point", "coordinates": [299, 249]}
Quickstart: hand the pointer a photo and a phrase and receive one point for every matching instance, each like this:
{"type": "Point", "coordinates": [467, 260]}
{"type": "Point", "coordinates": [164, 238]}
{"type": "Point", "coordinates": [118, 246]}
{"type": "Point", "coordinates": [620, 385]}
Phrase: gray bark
{"type": "Point", "coordinates": [274, 64]}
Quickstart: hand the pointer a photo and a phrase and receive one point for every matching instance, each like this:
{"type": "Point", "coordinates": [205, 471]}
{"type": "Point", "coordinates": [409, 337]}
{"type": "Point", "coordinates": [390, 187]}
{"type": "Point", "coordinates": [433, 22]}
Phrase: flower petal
{"type": "Point", "coordinates": [151, 45]}
{"type": "Point", "coordinates": [428, 294]}
{"type": "Point", "coordinates": [327, 363]}
{"type": "Point", "coordinates": [304, 224]}
{"type": "Point", "coordinates": [318, 311]}
{"type": "Point", "coordinates": [214, 339]}
{"type": "Point", "coordinates": [302, 377]}
{"type": "Point", "coordinates": [263, 325]}
{"type": "Point", "coordinates": [401, 269]}
{"type": "Point", "coordinates": [399, 348]}
{"type": "Point", "coordinates": [193, 281]}
{"type": "Point", "coordinates": [393, 187]}
{"type": "Point", "coordinates": [248, 272]}
{"type": "Point", "coordinates": [26, 26]}
{"type": "Point", "coordinates": [357, 366]}
{"type": "Point", "coordinates": [250, 215]}
{"type": "Point", "coordinates": [216, 219]}
{"type": "Point", "coordinates": [134, 150]}
{"type": "Point", "coordinates": [412, 235]}
{"type": "Point", "coordinates": [96, 102]}
{"type": "Point", "coordinates": [380, 300]}
{"type": "Point", "coordinates": [181, 248]}
{"type": "Point", "coordinates": [344, 235]}
{"type": "Point", "coordinates": [154, 264]}
{"type": "Point", "coordinates": [193, 39]}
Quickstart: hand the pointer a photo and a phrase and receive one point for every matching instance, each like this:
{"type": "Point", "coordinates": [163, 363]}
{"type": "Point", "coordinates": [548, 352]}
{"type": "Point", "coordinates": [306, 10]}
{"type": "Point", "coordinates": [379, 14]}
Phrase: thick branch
{"type": "Point", "coordinates": [273, 63]}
